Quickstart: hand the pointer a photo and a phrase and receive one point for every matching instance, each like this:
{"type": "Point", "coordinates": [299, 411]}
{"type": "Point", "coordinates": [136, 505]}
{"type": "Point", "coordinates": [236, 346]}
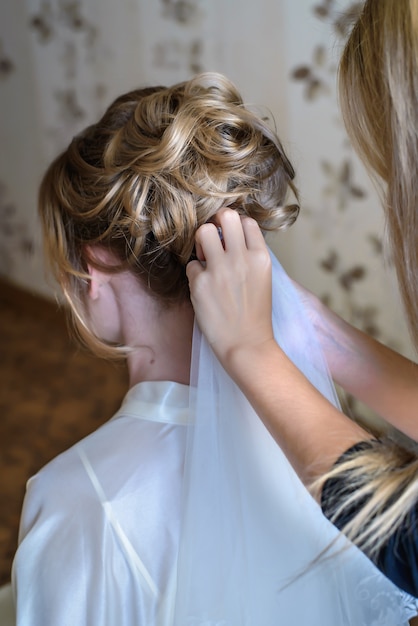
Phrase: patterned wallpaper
{"type": "Point", "coordinates": [15, 238]}
{"type": "Point", "coordinates": [341, 224]}
{"type": "Point", "coordinates": [339, 183]}
{"type": "Point", "coordinates": [62, 61]}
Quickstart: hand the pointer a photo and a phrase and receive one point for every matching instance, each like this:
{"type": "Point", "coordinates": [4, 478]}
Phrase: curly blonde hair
{"type": "Point", "coordinates": [160, 163]}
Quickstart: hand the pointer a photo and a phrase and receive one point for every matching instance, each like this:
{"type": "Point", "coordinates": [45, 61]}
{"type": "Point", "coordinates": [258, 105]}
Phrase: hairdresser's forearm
{"type": "Point", "coordinates": [309, 429]}
{"type": "Point", "coordinates": [372, 372]}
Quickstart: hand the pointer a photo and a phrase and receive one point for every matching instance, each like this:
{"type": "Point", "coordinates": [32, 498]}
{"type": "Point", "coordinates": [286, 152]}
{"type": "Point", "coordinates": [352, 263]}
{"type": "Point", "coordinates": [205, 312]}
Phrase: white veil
{"type": "Point", "coordinates": [251, 532]}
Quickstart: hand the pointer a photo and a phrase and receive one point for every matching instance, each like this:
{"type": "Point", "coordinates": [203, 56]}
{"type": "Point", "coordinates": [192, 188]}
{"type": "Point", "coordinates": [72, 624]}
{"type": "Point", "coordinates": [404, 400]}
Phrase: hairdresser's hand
{"type": "Point", "coordinates": [231, 291]}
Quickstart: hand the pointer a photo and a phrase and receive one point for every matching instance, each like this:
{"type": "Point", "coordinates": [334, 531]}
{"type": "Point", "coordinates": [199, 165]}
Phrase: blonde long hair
{"type": "Point", "coordinates": [378, 85]}
{"type": "Point", "coordinates": [158, 164]}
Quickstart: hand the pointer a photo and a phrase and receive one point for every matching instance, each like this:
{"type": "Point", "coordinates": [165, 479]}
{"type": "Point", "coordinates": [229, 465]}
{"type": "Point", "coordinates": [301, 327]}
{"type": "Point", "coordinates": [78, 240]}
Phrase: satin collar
{"type": "Point", "coordinates": [157, 401]}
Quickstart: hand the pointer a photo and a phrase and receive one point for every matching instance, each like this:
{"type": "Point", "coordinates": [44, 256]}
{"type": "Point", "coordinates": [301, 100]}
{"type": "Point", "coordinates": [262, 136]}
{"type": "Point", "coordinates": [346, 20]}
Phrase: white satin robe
{"type": "Point", "coordinates": [100, 524]}
{"type": "Point", "coordinates": [182, 511]}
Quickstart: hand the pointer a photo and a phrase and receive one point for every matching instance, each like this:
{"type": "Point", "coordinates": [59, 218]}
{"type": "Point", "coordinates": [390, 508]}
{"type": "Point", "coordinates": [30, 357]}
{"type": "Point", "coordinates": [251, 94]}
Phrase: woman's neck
{"type": "Point", "coordinates": [162, 344]}
{"type": "Point", "coordinates": [122, 310]}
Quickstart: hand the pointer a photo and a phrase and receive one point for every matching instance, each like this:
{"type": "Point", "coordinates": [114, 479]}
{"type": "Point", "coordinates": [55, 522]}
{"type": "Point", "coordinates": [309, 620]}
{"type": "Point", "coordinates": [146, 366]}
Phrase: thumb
{"type": "Point", "coordinates": [193, 270]}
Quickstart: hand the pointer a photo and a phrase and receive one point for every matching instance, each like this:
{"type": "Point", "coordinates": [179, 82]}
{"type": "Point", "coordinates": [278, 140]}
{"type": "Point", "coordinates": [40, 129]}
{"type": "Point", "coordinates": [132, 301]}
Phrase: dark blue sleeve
{"type": "Point", "coordinates": [397, 558]}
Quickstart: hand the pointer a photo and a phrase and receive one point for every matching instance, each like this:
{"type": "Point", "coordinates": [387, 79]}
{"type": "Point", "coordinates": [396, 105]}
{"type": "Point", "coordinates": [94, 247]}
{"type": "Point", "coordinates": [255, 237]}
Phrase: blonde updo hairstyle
{"type": "Point", "coordinates": [159, 163]}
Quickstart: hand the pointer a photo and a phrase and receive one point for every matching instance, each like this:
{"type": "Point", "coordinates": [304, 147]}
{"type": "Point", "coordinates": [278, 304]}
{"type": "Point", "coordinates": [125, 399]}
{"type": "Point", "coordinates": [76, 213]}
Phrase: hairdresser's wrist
{"type": "Point", "coordinates": [247, 362]}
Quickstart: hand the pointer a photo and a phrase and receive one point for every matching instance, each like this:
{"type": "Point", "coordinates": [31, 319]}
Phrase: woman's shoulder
{"type": "Point", "coordinates": [56, 489]}
{"type": "Point", "coordinates": [398, 557]}
{"type": "Point", "coordinates": [122, 457]}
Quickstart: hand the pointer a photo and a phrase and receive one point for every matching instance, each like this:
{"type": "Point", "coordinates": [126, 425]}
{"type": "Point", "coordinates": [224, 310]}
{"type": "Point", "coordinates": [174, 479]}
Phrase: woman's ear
{"type": "Point", "coordinates": [98, 278]}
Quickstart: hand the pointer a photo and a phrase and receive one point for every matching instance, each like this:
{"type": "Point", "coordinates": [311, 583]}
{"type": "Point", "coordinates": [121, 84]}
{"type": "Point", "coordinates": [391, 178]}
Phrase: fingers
{"type": "Point", "coordinates": [193, 269]}
{"type": "Point", "coordinates": [239, 234]}
{"type": "Point", "coordinates": [253, 236]}
{"type": "Point", "coordinates": [208, 243]}
{"type": "Point", "coordinates": [232, 230]}
{"type": "Point", "coordinates": [199, 251]}
{"type": "Point", "coordinates": [239, 231]}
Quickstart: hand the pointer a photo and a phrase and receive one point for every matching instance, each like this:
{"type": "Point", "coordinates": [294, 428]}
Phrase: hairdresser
{"type": "Point", "coordinates": [366, 484]}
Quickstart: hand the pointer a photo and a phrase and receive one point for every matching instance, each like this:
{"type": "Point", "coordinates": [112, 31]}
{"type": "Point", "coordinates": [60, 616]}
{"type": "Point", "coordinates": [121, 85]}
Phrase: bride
{"type": "Point", "coordinates": [180, 510]}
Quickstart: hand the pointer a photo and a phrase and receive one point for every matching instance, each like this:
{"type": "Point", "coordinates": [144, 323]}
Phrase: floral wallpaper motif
{"type": "Point", "coordinates": [339, 183]}
{"type": "Point", "coordinates": [345, 281]}
{"type": "Point", "coordinates": [316, 76]}
{"type": "Point", "coordinates": [179, 49]}
{"type": "Point", "coordinates": [77, 55]}
{"type": "Point", "coordinates": [181, 11]}
{"type": "Point", "coordinates": [6, 64]}
{"type": "Point", "coordinates": [62, 28]}
{"type": "Point", "coordinates": [14, 235]}
{"type": "Point", "coordinates": [69, 14]}
{"type": "Point", "coordinates": [175, 55]}
{"type": "Point", "coordinates": [50, 83]}
{"type": "Point", "coordinates": [73, 63]}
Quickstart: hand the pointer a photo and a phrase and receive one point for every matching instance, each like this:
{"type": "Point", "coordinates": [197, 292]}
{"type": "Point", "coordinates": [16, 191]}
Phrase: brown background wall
{"type": "Point", "coordinates": [52, 393]}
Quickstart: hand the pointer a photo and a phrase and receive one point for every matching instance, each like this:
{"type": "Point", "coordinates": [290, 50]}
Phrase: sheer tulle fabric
{"type": "Point", "coordinates": [101, 523]}
{"type": "Point", "coordinates": [251, 533]}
